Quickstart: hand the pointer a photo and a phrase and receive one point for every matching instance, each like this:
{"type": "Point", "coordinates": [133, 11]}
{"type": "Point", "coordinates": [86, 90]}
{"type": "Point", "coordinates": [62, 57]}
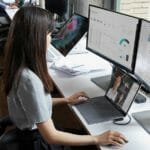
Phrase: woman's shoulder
{"type": "Point", "coordinates": [29, 77]}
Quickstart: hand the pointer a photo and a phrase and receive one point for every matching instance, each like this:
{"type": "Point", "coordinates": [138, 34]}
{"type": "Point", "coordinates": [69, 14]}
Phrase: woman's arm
{"type": "Point", "coordinates": [57, 101]}
{"type": "Point", "coordinates": [53, 136]}
{"type": "Point", "coordinates": [73, 99]}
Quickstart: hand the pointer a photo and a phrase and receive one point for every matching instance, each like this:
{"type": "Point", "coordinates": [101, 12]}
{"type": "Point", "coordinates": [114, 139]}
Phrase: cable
{"type": "Point", "coordinates": [121, 121]}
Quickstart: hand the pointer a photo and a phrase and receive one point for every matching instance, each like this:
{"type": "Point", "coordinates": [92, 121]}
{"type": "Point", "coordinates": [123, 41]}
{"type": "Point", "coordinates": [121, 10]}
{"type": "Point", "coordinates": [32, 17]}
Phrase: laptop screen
{"type": "Point", "coordinates": [122, 90]}
{"type": "Point", "coordinates": [70, 34]}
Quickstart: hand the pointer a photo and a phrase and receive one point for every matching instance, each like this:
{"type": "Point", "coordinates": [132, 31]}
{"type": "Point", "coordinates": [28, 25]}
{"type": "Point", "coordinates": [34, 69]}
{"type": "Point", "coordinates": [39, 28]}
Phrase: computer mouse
{"type": "Point", "coordinates": [111, 145]}
{"type": "Point", "coordinates": [140, 98]}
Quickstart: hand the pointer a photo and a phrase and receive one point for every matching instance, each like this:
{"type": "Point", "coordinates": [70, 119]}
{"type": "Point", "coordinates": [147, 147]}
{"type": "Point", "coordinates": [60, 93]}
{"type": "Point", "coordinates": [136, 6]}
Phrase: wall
{"type": "Point", "coordinates": [139, 8]}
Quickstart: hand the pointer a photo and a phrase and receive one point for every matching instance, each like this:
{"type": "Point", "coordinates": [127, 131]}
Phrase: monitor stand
{"type": "Point", "coordinates": [103, 82]}
{"type": "Point", "coordinates": [143, 118]}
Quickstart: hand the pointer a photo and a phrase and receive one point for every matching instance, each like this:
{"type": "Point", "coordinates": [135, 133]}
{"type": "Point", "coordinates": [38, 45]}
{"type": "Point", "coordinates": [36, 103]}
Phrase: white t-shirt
{"type": "Point", "coordinates": [30, 104]}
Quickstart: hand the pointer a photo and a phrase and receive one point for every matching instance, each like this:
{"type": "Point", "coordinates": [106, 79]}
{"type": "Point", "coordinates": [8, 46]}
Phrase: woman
{"type": "Point", "coordinates": [28, 84]}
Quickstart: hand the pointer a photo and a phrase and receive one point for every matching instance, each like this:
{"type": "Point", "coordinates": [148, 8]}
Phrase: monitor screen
{"type": "Point", "coordinates": [70, 34]}
{"type": "Point", "coordinates": [112, 35]}
{"type": "Point", "coordinates": [142, 65]}
{"type": "Point", "coordinates": [82, 6]}
{"type": "Point", "coordinates": [122, 89]}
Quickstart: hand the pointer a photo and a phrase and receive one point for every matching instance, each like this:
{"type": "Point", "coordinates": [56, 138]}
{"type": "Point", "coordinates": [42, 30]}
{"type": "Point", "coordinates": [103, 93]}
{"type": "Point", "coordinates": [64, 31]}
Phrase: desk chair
{"type": "Point", "coordinates": [6, 137]}
{"type": "Point", "coordinates": [4, 122]}
{"type": "Point", "coordinates": [16, 139]}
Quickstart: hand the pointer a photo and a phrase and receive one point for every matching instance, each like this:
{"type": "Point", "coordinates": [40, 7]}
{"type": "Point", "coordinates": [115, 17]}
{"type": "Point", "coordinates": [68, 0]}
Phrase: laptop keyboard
{"type": "Point", "coordinates": [97, 110]}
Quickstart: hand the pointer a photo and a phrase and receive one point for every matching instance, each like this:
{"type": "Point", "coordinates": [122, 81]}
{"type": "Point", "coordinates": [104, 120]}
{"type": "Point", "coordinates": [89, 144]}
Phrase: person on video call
{"type": "Point", "coordinates": [28, 85]}
{"type": "Point", "coordinates": [122, 93]}
{"type": "Point", "coordinates": [112, 92]}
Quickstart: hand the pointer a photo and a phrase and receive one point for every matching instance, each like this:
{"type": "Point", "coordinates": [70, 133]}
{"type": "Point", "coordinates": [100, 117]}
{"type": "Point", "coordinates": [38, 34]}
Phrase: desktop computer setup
{"type": "Point", "coordinates": [124, 42]}
{"type": "Point", "coordinates": [114, 41]}
{"type": "Point", "coordinates": [121, 42]}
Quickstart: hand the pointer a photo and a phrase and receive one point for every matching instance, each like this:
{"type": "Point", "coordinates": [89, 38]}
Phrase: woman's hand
{"type": "Point", "coordinates": [111, 137]}
{"type": "Point", "coordinates": [77, 98]}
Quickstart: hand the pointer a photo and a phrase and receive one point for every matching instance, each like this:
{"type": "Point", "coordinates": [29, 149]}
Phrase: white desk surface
{"type": "Point", "coordinates": [138, 138]}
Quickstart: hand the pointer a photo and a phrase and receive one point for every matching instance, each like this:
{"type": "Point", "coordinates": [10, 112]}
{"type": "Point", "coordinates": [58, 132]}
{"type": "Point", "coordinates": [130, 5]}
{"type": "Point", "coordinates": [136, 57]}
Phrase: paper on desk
{"type": "Point", "coordinates": [69, 68]}
{"type": "Point", "coordinates": [90, 60]}
{"type": "Point", "coordinates": [76, 66]}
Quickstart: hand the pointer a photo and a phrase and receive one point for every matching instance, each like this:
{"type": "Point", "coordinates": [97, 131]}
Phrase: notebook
{"type": "Point", "coordinates": [115, 103]}
{"type": "Point", "coordinates": [68, 36]}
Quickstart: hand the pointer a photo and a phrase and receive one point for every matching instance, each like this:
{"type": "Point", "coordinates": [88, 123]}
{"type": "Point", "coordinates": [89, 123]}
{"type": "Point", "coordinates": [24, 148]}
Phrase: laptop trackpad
{"type": "Point", "coordinates": [98, 109]}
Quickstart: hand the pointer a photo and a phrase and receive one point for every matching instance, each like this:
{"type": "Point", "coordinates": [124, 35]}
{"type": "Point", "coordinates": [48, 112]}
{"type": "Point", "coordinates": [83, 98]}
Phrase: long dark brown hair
{"type": "Point", "coordinates": [26, 46]}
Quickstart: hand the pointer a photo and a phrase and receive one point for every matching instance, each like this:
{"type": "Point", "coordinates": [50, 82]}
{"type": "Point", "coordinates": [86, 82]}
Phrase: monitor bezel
{"type": "Point", "coordinates": [135, 41]}
{"type": "Point", "coordinates": [134, 80]}
{"type": "Point", "coordinates": [144, 85]}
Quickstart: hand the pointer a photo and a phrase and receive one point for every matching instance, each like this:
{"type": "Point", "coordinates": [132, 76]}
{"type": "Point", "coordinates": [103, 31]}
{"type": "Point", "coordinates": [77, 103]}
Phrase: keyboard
{"type": "Point", "coordinates": [97, 109]}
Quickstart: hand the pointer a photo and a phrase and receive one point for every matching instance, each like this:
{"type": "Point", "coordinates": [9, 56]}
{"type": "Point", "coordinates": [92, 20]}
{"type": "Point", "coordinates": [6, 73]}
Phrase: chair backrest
{"type": "Point", "coordinates": [7, 136]}
{"type": "Point", "coordinates": [16, 139]}
{"type": "Point", "coordinates": [4, 123]}
{"type": "Point", "coordinates": [9, 140]}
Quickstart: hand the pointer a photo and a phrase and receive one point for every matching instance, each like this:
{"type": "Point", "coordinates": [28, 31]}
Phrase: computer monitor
{"type": "Point", "coordinates": [82, 6]}
{"type": "Point", "coordinates": [70, 34]}
{"type": "Point", "coordinates": [112, 35]}
{"type": "Point", "coordinates": [142, 70]}
{"type": "Point", "coordinates": [142, 65]}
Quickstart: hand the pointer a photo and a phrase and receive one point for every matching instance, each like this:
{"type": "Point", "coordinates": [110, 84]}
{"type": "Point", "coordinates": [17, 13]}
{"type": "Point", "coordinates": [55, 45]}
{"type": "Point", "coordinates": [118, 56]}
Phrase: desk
{"type": "Point", "coordinates": [138, 138]}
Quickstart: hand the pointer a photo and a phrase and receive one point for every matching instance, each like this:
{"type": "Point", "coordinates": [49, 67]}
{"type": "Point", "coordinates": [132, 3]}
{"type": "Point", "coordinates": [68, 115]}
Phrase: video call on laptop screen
{"type": "Point", "coordinates": [70, 34]}
{"type": "Point", "coordinates": [122, 90]}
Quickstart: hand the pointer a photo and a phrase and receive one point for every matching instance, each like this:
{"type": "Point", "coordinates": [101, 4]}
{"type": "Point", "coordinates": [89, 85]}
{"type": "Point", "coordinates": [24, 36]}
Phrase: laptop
{"type": "Point", "coordinates": [115, 103]}
{"type": "Point", "coordinates": [69, 35]}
